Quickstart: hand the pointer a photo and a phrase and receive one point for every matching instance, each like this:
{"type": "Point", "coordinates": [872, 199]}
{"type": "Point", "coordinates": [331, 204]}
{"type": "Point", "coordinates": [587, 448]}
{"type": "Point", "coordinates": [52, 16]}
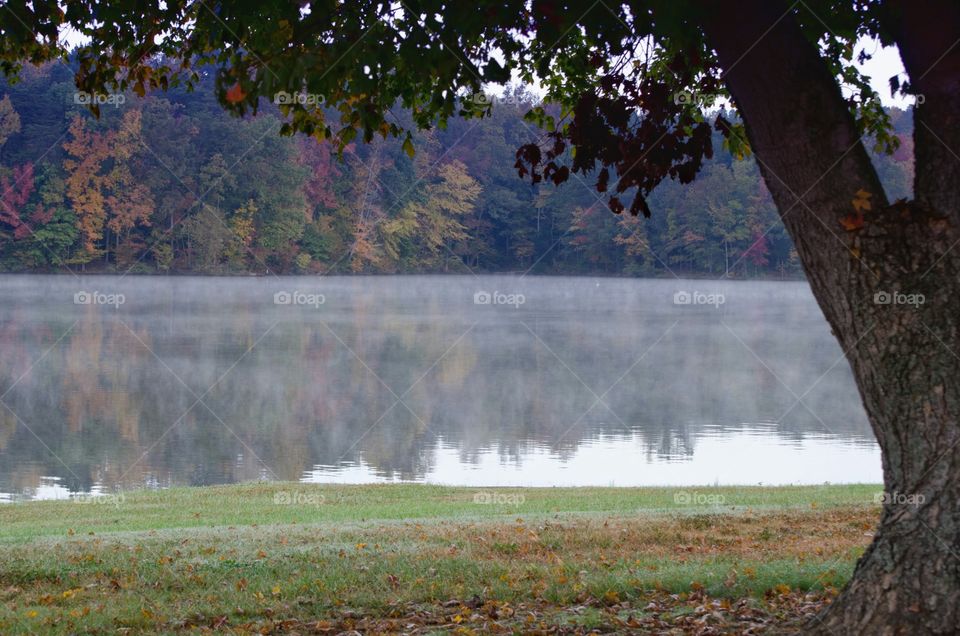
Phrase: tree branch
{"type": "Point", "coordinates": [928, 36]}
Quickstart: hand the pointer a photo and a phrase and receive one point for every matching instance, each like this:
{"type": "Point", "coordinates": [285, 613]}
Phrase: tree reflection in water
{"type": "Point", "coordinates": [205, 381]}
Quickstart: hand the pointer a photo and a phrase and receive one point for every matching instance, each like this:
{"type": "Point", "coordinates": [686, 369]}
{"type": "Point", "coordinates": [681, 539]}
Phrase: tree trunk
{"type": "Point", "coordinates": [887, 285]}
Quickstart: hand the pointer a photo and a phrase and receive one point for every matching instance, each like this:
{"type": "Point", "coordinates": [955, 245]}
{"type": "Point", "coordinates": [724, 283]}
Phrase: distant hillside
{"type": "Point", "coordinates": [170, 183]}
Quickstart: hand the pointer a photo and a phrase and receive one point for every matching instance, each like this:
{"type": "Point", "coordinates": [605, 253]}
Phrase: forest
{"type": "Point", "coordinates": [170, 183]}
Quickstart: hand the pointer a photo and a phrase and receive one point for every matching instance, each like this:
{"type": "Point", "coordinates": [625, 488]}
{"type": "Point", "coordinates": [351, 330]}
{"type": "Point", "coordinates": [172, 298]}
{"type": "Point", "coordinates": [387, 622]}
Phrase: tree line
{"type": "Point", "coordinates": [168, 182]}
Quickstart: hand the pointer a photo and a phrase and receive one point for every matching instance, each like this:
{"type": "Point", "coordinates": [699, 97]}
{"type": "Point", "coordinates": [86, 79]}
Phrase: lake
{"type": "Point", "coordinates": [111, 383]}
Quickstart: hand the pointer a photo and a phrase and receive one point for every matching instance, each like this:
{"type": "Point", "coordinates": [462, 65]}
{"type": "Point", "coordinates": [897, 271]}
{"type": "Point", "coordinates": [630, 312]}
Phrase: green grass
{"type": "Point", "coordinates": [256, 503]}
{"type": "Point", "coordinates": [238, 557]}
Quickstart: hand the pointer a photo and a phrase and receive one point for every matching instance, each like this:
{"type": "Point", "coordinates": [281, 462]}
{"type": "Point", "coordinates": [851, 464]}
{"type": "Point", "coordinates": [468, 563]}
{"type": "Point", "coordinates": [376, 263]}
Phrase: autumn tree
{"type": "Point", "coordinates": [430, 227]}
{"type": "Point", "coordinates": [9, 120]}
{"type": "Point", "coordinates": [15, 191]}
{"type": "Point", "coordinates": [242, 231]}
{"type": "Point", "coordinates": [129, 202]}
{"type": "Point", "coordinates": [366, 211]}
{"type": "Point", "coordinates": [102, 190]}
{"type": "Point", "coordinates": [86, 153]}
{"type": "Point", "coordinates": [320, 158]}
{"type": "Point", "coordinates": [54, 226]}
{"type": "Point", "coordinates": [15, 188]}
{"type": "Point", "coordinates": [36, 229]}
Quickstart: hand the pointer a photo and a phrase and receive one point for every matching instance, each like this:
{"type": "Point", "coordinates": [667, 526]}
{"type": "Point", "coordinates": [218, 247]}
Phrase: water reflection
{"type": "Point", "coordinates": [204, 381]}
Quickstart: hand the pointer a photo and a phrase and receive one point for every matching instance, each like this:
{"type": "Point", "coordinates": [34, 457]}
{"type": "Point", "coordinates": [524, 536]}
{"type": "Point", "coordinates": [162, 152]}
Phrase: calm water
{"type": "Point", "coordinates": [555, 381]}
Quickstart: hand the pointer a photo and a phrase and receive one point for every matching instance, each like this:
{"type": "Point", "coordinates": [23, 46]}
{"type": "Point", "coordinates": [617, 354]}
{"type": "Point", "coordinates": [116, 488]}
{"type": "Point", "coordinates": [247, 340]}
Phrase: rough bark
{"type": "Point", "coordinates": [904, 355]}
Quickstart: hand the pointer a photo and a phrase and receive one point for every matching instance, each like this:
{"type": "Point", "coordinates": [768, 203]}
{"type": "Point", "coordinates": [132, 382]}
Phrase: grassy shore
{"type": "Point", "coordinates": [293, 558]}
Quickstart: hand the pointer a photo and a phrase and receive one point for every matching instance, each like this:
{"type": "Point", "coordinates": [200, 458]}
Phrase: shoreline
{"type": "Point", "coordinates": [679, 275]}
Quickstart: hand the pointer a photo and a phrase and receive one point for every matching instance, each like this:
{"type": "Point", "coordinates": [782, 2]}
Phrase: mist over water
{"type": "Point", "coordinates": [115, 383]}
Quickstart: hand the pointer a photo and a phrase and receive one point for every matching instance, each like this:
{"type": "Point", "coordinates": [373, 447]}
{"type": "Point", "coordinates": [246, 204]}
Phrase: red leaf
{"type": "Point", "coordinates": [852, 221]}
{"type": "Point", "coordinates": [235, 94]}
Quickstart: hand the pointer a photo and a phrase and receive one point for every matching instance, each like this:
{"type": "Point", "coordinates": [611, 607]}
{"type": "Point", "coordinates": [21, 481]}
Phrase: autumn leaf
{"type": "Point", "coordinates": [408, 147]}
{"type": "Point", "coordinates": [861, 200]}
{"type": "Point", "coordinates": [861, 204]}
{"type": "Point", "coordinates": [235, 94]}
{"type": "Point", "coordinates": [852, 222]}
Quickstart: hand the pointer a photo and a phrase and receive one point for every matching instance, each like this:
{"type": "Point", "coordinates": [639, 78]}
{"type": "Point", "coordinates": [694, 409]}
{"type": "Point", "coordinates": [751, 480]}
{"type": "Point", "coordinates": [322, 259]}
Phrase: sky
{"type": "Point", "coordinates": [885, 64]}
